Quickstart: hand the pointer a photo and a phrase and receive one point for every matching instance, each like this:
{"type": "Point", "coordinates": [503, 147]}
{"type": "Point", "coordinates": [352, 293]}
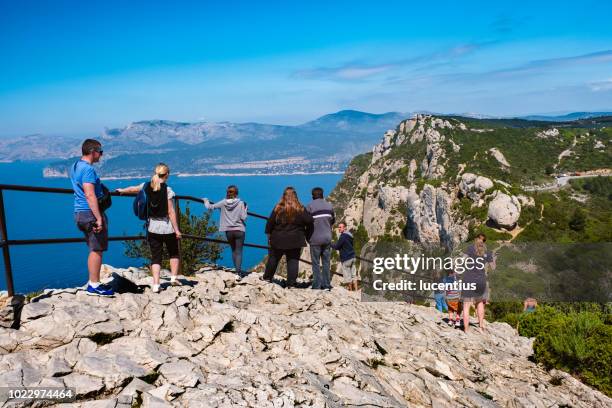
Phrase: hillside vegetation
{"type": "Point", "coordinates": [433, 183]}
{"type": "Point", "coordinates": [509, 156]}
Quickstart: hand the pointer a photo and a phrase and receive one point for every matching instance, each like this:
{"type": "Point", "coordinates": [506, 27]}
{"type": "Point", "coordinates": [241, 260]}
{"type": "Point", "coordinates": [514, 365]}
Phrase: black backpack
{"type": "Point", "coordinates": [157, 201]}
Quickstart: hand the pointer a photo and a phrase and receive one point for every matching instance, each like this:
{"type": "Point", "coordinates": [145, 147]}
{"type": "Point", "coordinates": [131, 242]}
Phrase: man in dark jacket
{"type": "Point", "coordinates": [319, 238]}
{"type": "Point", "coordinates": [347, 256]}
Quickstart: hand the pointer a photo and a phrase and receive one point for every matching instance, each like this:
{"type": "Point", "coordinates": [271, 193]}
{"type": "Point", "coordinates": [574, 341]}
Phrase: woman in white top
{"type": "Point", "coordinates": [162, 227]}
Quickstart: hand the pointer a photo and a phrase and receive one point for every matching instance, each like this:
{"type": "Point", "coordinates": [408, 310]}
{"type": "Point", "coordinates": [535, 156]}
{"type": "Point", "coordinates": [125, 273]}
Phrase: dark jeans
{"type": "Point", "coordinates": [293, 261]}
{"type": "Point", "coordinates": [321, 274]}
{"type": "Point", "coordinates": [236, 240]}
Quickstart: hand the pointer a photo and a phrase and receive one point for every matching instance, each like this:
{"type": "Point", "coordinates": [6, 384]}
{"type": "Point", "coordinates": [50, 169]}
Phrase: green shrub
{"type": "Point", "coordinates": [532, 324]}
{"type": "Point", "coordinates": [579, 343]}
{"type": "Point", "coordinates": [578, 220]}
{"type": "Point", "coordinates": [500, 310]}
{"type": "Point", "coordinates": [528, 215]}
{"type": "Point", "coordinates": [575, 337]}
{"type": "Point", "coordinates": [600, 359]}
{"type": "Point", "coordinates": [360, 238]}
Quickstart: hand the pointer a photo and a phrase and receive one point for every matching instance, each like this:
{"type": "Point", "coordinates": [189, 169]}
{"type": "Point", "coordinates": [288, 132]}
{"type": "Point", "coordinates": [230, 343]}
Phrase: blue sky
{"type": "Point", "coordinates": [75, 67]}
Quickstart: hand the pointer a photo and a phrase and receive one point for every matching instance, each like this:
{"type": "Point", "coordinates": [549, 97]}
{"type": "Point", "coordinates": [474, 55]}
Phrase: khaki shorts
{"type": "Point", "coordinates": [349, 272]}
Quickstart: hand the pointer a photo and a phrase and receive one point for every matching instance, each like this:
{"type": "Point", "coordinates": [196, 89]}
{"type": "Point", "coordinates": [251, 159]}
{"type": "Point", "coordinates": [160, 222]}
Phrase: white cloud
{"type": "Point", "coordinates": [598, 86]}
{"type": "Point", "coordinates": [360, 72]}
{"type": "Point", "coordinates": [348, 72]}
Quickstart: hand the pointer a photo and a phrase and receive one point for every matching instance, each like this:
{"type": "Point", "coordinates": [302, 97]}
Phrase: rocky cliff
{"type": "Point", "coordinates": [388, 201]}
{"type": "Point", "coordinates": [438, 180]}
{"type": "Point", "coordinates": [216, 342]}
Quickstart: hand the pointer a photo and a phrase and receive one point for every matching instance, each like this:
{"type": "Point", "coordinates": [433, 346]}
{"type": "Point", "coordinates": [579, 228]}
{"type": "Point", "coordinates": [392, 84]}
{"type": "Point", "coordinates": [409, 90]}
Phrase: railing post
{"type": "Point", "coordinates": [177, 210]}
{"type": "Point", "coordinates": [8, 270]}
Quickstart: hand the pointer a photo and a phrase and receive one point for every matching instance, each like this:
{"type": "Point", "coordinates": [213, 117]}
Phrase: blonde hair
{"type": "Point", "coordinates": [161, 172]}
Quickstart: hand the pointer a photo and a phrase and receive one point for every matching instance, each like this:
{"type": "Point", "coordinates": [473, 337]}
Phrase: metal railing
{"type": "Point", "coordinates": [6, 242]}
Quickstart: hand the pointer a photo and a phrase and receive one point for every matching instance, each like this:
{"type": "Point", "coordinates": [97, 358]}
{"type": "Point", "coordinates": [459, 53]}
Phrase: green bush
{"type": "Point", "coordinates": [498, 310]}
{"type": "Point", "coordinates": [600, 359]}
{"type": "Point", "coordinates": [573, 337]}
{"type": "Point", "coordinates": [578, 220]}
{"type": "Point", "coordinates": [579, 343]}
{"type": "Point", "coordinates": [508, 312]}
{"type": "Point", "coordinates": [528, 215]}
{"type": "Point", "coordinates": [193, 252]}
{"type": "Point", "coordinates": [532, 324]}
{"type": "Point", "coordinates": [360, 238]}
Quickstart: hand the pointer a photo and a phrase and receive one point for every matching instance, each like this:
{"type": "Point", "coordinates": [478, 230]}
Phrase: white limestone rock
{"type": "Point", "coordinates": [429, 219]}
{"type": "Point", "coordinates": [482, 184]}
{"type": "Point", "coordinates": [499, 156]}
{"type": "Point", "coordinates": [504, 210]}
{"type": "Point", "coordinates": [545, 134]}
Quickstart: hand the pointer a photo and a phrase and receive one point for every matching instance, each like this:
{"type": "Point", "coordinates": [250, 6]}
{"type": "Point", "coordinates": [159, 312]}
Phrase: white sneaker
{"type": "Point", "coordinates": [155, 288]}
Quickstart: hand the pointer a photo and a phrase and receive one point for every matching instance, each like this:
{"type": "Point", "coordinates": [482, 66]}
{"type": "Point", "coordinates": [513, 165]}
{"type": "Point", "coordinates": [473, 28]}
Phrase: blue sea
{"type": "Point", "coordinates": [44, 215]}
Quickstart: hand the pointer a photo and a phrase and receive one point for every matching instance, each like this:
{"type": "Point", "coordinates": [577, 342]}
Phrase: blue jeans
{"type": "Point", "coordinates": [321, 275]}
{"type": "Point", "coordinates": [440, 302]}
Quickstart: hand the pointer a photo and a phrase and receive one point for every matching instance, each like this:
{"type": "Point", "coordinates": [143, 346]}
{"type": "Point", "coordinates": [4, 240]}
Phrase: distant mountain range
{"type": "Point", "coordinates": [568, 116]}
{"type": "Point", "coordinates": [325, 144]}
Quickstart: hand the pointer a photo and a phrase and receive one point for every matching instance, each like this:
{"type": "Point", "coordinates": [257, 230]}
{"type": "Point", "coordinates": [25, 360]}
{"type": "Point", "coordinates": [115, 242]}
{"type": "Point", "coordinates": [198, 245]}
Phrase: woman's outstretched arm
{"type": "Point", "coordinates": [130, 190]}
{"type": "Point", "coordinates": [210, 206]}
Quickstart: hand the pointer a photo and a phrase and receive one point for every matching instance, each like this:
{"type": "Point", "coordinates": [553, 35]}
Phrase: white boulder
{"type": "Point", "coordinates": [482, 184]}
{"type": "Point", "coordinates": [504, 210]}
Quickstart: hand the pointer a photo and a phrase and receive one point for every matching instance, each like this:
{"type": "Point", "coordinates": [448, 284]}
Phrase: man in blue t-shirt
{"type": "Point", "coordinates": [87, 214]}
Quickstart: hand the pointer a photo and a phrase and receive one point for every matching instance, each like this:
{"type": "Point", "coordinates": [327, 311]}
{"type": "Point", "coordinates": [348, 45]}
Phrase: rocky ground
{"type": "Point", "coordinates": [217, 342]}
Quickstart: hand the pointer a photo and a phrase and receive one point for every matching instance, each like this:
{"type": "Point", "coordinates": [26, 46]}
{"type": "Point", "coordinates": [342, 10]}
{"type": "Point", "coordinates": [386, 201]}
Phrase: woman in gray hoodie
{"type": "Point", "coordinates": [232, 222]}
